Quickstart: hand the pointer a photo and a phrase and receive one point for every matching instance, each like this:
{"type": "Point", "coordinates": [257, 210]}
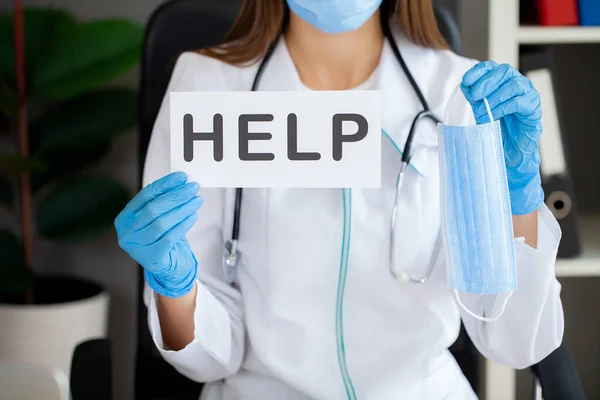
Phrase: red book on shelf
{"type": "Point", "coordinates": [558, 12]}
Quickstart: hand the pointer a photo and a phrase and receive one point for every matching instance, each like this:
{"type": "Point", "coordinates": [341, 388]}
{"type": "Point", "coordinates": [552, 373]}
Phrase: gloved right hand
{"type": "Point", "coordinates": [152, 229]}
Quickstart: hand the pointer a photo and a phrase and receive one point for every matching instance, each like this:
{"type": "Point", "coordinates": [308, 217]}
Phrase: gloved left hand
{"type": "Point", "coordinates": [516, 103]}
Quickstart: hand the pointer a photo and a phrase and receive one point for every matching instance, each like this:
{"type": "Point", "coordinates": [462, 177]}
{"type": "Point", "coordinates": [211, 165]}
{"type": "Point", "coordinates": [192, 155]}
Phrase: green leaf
{"type": "Point", "coordinates": [86, 122]}
{"type": "Point", "coordinates": [17, 280]}
{"type": "Point", "coordinates": [10, 248]}
{"type": "Point", "coordinates": [86, 57]}
{"type": "Point", "coordinates": [81, 208]}
{"type": "Point", "coordinates": [59, 166]}
{"type": "Point", "coordinates": [64, 57]}
{"type": "Point", "coordinates": [6, 195]}
{"type": "Point", "coordinates": [8, 98]}
{"type": "Point", "coordinates": [78, 133]}
{"type": "Point", "coordinates": [7, 64]}
{"type": "Point", "coordinates": [16, 163]}
{"type": "Point", "coordinates": [14, 276]}
{"type": "Point", "coordinates": [4, 123]}
{"type": "Point", "coordinates": [7, 49]}
{"type": "Point", "coordinates": [40, 27]}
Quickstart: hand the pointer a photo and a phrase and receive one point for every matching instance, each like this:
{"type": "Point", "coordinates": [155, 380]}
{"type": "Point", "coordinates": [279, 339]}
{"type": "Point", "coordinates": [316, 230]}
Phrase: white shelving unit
{"type": "Point", "coordinates": [506, 35]}
{"type": "Point", "coordinates": [504, 40]}
{"type": "Point", "coordinates": [588, 264]}
{"type": "Point", "coordinates": [557, 35]}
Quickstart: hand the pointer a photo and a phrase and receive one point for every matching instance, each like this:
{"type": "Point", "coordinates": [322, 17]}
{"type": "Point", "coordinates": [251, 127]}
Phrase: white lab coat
{"type": "Point", "coordinates": [274, 338]}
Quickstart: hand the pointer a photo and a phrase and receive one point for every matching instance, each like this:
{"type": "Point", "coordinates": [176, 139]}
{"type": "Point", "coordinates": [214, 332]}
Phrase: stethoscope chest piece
{"type": "Point", "coordinates": [230, 260]}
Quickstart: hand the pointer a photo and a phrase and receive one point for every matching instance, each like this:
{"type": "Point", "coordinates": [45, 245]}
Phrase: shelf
{"type": "Point", "coordinates": [588, 264]}
{"type": "Point", "coordinates": [555, 35]}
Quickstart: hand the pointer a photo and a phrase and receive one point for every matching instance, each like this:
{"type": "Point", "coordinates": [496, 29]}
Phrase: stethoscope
{"type": "Point", "coordinates": [231, 258]}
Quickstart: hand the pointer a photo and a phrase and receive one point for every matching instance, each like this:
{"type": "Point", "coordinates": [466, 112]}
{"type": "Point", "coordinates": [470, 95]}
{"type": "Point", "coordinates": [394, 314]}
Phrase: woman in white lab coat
{"type": "Point", "coordinates": [314, 312]}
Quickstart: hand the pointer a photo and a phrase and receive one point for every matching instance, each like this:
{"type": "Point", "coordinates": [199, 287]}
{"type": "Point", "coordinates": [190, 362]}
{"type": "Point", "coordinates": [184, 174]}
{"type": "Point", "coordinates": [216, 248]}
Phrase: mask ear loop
{"type": "Point", "coordinates": [505, 302]}
{"type": "Point", "coordinates": [489, 110]}
{"type": "Point", "coordinates": [451, 99]}
{"type": "Point", "coordinates": [486, 319]}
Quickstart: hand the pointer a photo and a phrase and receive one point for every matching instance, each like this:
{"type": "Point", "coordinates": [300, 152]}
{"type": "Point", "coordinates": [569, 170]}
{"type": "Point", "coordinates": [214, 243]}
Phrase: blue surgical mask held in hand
{"type": "Point", "coordinates": [517, 105]}
{"type": "Point", "coordinates": [476, 210]}
{"type": "Point", "coordinates": [335, 16]}
{"type": "Point", "coordinates": [152, 229]}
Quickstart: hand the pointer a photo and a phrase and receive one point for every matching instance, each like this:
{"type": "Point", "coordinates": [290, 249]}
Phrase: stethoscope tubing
{"type": "Point", "coordinates": [231, 257]}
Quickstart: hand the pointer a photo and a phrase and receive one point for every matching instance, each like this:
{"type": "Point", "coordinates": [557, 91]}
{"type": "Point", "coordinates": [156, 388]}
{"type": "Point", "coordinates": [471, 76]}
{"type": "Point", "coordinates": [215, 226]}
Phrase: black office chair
{"type": "Point", "coordinates": [91, 371]}
{"type": "Point", "coordinates": [175, 27]}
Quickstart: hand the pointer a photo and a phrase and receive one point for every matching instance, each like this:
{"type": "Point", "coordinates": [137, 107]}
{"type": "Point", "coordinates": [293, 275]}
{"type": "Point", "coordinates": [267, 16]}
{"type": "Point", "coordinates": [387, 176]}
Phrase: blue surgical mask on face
{"type": "Point", "coordinates": [335, 16]}
{"type": "Point", "coordinates": [476, 213]}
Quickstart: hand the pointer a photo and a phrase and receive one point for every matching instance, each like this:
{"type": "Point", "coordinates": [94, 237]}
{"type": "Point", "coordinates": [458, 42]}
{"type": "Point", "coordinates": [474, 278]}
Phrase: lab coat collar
{"type": "Point", "coordinates": [400, 104]}
{"type": "Point", "coordinates": [280, 73]}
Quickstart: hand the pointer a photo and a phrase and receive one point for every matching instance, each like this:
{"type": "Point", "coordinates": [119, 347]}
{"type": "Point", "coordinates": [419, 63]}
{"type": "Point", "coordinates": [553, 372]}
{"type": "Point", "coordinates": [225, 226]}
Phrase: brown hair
{"type": "Point", "coordinates": [260, 22]}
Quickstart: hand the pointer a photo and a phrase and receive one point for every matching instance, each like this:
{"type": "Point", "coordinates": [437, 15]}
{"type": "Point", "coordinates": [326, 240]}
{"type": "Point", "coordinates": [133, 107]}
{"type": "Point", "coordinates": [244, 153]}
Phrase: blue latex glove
{"type": "Point", "coordinates": [152, 229]}
{"type": "Point", "coordinates": [517, 104]}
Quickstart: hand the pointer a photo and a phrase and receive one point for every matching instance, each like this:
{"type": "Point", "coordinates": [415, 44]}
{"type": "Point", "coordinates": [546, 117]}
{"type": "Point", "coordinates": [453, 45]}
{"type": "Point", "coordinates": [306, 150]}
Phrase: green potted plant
{"type": "Point", "coordinates": [58, 116]}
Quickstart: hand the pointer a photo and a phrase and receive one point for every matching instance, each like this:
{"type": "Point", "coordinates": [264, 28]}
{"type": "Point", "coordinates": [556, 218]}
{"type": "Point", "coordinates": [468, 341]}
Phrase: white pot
{"type": "Point", "coordinates": [47, 334]}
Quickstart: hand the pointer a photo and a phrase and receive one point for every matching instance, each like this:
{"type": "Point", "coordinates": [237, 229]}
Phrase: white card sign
{"type": "Point", "coordinates": [301, 139]}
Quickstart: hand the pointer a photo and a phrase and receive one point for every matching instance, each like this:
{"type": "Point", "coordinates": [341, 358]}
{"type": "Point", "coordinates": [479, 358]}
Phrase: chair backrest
{"type": "Point", "coordinates": [91, 370]}
{"type": "Point", "coordinates": [175, 27]}
{"type": "Point", "coordinates": [448, 28]}
{"type": "Point", "coordinates": [23, 382]}
{"type": "Point", "coordinates": [558, 376]}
